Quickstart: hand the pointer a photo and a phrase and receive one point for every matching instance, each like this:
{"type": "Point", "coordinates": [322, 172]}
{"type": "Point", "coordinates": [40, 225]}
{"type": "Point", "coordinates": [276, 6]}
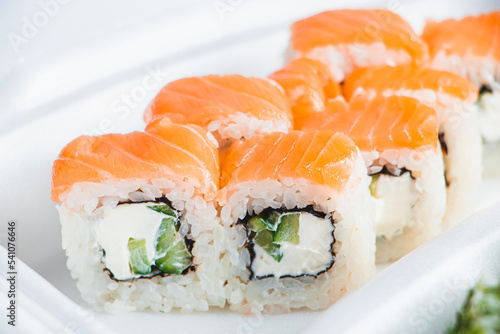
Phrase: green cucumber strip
{"type": "Point", "coordinates": [138, 262]}
{"type": "Point", "coordinates": [172, 255]}
{"type": "Point", "coordinates": [176, 259]}
{"type": "Point", "coordinates": [272, 220]}
{"type": "Point", "coordinates": [165, 209]}
{"type": "Point", "coordinates": [373, 184]}
{"type": "Point", "coordinates": [264, 239]}
{"type": "Point", "coordinates": [166, 236]}
{"type": "Point", "coordinates": [288, 229]}
{"type": "Point", "coordinates": [257, 224]}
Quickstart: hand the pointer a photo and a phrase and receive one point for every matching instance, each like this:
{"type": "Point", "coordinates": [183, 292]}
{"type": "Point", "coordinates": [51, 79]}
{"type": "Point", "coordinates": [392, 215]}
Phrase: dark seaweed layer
{"type": "Point", "coordinates": [485, 89]}
{"type": "Point", "coordinates": [250, 246]}
{"type": "Point", "coordinates": [398, 172]}
{"type": "Point", "coordinates": [442, 141]}
{"type": "Point", "coordinates": [444, 147]}
{"type": "Point", "coordinates": [154, 270]}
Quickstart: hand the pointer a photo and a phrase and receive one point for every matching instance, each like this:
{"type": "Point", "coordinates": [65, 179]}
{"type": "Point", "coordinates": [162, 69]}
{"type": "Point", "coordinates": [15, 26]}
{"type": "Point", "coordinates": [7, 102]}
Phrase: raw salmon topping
{"type": "Point", "coordinates": [410, 78]}
{"type": "Point", "coordinates": [163, 150]}
{"type": "Point", "coordinates": [309, 86]}
{"type": "Point", "coordinates": [382, 123]}
{"type": "Point", "coordinates": [471, 36]}
{"type": "Point", "coordinates": [202, 100]}
{"type": "Point", "coordinates": [360, 26]}
{"type": "Point", "coordinates": [323, 157]}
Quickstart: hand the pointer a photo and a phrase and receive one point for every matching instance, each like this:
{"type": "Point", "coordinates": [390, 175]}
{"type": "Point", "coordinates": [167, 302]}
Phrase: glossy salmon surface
{"type": "Point", "coordinates": [406, 78]}
{"type": "Point", "coordinates": [203, 100]}
{"type": "Point", "coordinates": [309, 86]}
{"type": "Point", "coordinates": [471, 36]}
{"type": "Point", "coordinates": [323, 157]}
{"type": "Point", "coordinates": [163, 150]}
{"type": "Point", "coordinates": [358, 26]}
{"type": "Point", "coordinates": [381, 123]}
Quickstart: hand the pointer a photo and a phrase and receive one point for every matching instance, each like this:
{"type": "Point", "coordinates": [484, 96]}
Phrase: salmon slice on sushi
{"type": "Point", "coordinates": [309, 86]}
{"type": "Point", "coordinates": [229, 106]}
{"type": "Point", "coordinates": [298, 221]}
{"type": "Point", "coordinates": [453, 97]}
{"type": "Point", "coordinates": [348, 39]}
{"type": "Point", "coordinates": [138, 220]}
{"type": "Point", "coordinates": [398, 138]}
{"type": "Point", "coordinates": [471, 47]}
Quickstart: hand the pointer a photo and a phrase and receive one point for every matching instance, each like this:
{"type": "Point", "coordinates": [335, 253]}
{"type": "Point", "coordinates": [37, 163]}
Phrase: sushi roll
{"type": "Point", "coordinates": [453, 97]}
{"type": "Point", "coordinates": [296, 209]}
{"type": "Point", "coordinates": [229, 106]}
{"type": "Point", "coordinates": [398, 139]}
{"type": "Point", "coordinates": [138, 220]}
{"type": "Point", "coordinates": [347, 39]}
{"type": "Point", "coordinates": [470, 47]}
{"type": "Point", "coordinates": [309, 86]}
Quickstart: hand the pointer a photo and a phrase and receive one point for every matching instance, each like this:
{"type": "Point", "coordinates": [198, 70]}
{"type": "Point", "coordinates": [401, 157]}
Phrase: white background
{"type": "Point", "coordinates": [87, 68]}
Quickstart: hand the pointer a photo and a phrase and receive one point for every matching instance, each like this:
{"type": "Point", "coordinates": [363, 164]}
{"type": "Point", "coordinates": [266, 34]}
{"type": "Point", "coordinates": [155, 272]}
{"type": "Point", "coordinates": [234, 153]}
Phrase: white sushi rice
{"type": "Point", "coordinates": [241, 126]}
{"type": "Point", "coordinates": [81, 211]}
{"type": "Point", "coordinates": [463, 165]}
{"type": "Point", "coordinates": [354, 247]}
{"type": "Point", "coordinates": [344, 58]}
{"type": "Point", "coordinates": [489, 117]}
{"type": "Point", "coordinates": [426, 166]}
{"type": "Point", "coordinates": [481, 71]}
{"type": "Point", "coordinates": [459, 124]}
{"type": "Point", "coordinates": [489, 122]}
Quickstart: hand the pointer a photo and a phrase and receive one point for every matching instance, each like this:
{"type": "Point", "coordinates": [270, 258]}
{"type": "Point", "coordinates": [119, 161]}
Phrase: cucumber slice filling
{"type": "Point", "coordinates": [165, 209]}
{"type": "Point", "coordinates": [172, 255]}
{"type": "Point", "coordinates": [138, 262]}
{"type": "Point", "coordinates": [270, 229]}
{"type": "Point", "coordinates": [288, 229]}
{"type": "Point", "coordinates": [264, 239]}
{"type": "Point", "coordinates": [373, 184]}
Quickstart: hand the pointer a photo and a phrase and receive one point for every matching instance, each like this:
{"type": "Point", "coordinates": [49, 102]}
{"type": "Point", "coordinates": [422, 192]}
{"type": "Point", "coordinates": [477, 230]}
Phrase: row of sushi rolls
{"type": "Point", "coordinates": [266, 195]}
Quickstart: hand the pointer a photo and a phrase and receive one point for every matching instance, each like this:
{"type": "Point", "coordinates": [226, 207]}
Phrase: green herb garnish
{"type": "Point", "coordinates": [480, 313]}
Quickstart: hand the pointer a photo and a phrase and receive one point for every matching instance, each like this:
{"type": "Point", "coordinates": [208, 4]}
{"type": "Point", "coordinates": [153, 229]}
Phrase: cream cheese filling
{"type": "Point", "coordinates": [117, 226]}
{"type": "Point", "coordinates": [312, 255]}
{"type": "Point", "coordinates": [393, 198]}
{"type": "Point", "coordinates": [489, 116]}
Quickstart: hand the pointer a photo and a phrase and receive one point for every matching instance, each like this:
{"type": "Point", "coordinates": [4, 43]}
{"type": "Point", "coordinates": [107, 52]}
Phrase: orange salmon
{"type": "Point", "coordinates": [215, 102]}
{"type": "Point", "coordinates": [163, 150]}
{"type": "Point", "coordinates": [348, 39]}
{"type": "Point", "coordinates": [381, 123]}
{"type": "Point", "coordinates": [406, 78]}
{"type": "Point", "coordinates": [309, 86]}
{"type": "Point", "coordinates": [471, 36]}
{"type": "Point", "coordinates": [323, 157]}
